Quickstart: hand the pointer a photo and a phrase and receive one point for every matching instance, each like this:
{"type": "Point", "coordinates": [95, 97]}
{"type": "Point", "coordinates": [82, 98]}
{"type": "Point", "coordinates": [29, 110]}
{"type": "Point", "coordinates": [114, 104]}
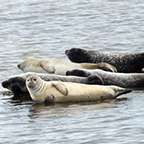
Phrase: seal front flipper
{"type": "Point", "coordinates": [78, 72]}
{"type": "Point", "coordinates": [49, 100]}
{"type": "Point", "coordinates": [60, 87]}
{"type": "Point", "coordinates": [46, 67]}
{"type": "Point", "coordinates": [95, 79]}
{"type": "Point", "coordinates": [103, 66]}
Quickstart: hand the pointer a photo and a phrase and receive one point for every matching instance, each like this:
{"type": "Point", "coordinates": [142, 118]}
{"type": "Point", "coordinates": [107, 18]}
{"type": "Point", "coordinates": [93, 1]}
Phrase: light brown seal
{"type": "Point", "coordinates": [64, 92]}
{"type": "Point", "coordinates": [59, 66]}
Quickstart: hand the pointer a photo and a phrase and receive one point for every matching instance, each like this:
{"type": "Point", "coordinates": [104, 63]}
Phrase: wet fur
{"type": "Point", "coordinates": [123, 62]}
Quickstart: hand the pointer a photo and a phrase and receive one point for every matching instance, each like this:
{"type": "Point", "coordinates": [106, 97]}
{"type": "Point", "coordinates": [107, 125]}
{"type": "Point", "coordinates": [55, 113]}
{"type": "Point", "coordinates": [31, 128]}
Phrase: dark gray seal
{"type": "Point", "coordinates": [127, 63]}
{"type": "Point", "coordinates": [126, 80]}
{"type": "Point", "coordinates": [17, 85]}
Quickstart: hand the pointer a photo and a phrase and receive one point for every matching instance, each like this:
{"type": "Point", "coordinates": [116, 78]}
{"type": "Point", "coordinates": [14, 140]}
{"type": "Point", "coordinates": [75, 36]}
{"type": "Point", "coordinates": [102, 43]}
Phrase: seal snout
{"type": "Point", "coordinates": [66, 52]}
{"type": "Point", "coordinates": [19, 66]}
{"type": "Point", "coordinates": [68, 73]}
{"type": "Point", "coordinates": [5, 84]}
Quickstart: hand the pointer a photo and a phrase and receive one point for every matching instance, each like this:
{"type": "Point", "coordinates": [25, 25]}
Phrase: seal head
{"type": "Point", "coordinates": [33, 82]}
{"type": "Point", "coordinates": [36, 65]}
{"type": "Point", "coordinates": [77, 55]}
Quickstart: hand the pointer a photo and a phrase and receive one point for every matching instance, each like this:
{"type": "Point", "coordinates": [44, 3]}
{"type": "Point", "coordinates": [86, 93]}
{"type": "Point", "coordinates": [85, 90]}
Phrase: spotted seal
{"type": "Point", "coordinates": [64, 92]}
{"type": "Point", "coordinates": [124, 62]}
{"type": "Point", "coordinates": [127, 80]}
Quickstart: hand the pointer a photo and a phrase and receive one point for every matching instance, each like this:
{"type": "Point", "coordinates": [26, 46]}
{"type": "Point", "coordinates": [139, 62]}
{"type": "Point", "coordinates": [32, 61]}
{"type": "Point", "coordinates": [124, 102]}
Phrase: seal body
{"type": "Point", "coordinates": [63, 92]}
{"type": "Point", "coordinates": [127, 80]}
{"type": "Point", "coordinates": [127, 63]}
{"type": "Point", "coordinates": [58, 66]}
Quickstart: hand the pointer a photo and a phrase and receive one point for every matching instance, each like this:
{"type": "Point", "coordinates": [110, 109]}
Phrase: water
{"type": "Point", "coordinates": [45, 28]}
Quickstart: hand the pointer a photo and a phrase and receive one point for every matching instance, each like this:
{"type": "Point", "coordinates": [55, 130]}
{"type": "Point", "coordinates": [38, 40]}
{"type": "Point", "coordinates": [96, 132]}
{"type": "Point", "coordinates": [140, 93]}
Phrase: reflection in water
{"type": "Point", "coordinates": [38, 110]}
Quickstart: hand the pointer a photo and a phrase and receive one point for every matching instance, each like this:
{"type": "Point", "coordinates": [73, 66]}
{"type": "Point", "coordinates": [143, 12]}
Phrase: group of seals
{"type": "Point", "coordinates": [126, 63]}
{"type": "Point", "coordinates": [59, 66]}
{"type": "Point", "coordinates": [85, 67]}
{"type": "Point", "coordinates": [63, 92]}
{"type": "Point", "coordinates": [17, 84]}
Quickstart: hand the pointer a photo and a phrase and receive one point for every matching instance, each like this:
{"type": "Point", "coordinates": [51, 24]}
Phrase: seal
{"type": "Point", "coordinates": [126, 63]}
{"type": "Point", "coordinates": [59, 66]}
{"type": "Point", "coordinates": [65, 92]}
{"type": "Point", "coordinates": [17, 85]}
{"type": "Point", "coordinates": [126, 80]}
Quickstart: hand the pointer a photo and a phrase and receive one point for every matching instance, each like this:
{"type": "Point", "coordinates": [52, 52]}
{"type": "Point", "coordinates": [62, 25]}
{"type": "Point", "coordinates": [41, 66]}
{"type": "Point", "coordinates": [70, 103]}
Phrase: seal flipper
{"type": "Point", "coordinates": [120, 91]}
{"type": "Point", "coordinates": [78, 72]}
{"type": "Point", "coordinates": [95, 79]}
{"type": "Point", "coordinates": [49, 100]}
{"type": "Point", "coordinates": [103, 66]}
{"type": "Point", "coordinates": [46, 67]}
{"type": "Point", "coordinates": [60, 87]}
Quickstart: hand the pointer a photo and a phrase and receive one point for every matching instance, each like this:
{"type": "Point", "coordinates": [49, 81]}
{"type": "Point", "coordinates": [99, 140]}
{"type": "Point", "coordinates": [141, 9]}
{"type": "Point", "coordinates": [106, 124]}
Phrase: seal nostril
{"type": "Point", "coordinates": [18, 65]}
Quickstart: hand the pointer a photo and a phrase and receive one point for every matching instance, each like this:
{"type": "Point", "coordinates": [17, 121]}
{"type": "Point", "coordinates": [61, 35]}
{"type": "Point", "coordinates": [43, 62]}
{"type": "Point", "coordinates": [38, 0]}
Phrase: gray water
{"type": "Point", "coordinates": [45, 28]}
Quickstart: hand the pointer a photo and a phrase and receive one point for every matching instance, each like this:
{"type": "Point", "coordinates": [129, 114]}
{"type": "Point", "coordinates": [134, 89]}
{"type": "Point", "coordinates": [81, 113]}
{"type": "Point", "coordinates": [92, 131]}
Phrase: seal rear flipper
{"type": "Point", "coordinates": [78, 72]}
{"type": "Point", "coordinates": [60, 87]}
{"type": "Point", "coordinates": [107, 67]}
{"type": "Point", "coordinates": [46, 67]}
{"type": "Point", "coordinates": [122, 91]}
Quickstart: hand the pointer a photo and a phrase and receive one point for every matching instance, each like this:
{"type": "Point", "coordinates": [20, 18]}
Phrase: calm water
{"type": "Point", "coordinates": [45, 28]}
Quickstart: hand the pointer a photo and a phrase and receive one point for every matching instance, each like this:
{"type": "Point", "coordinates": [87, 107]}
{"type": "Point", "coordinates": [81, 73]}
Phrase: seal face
{"type": "Point", "coordinates": [33, 82]}
{"type": "Point", "coordinates": [60, 92]}
{"type": "Point", "coordinates": [127, 63]}
{"type": "Point", "coordinates": [34, 85]}
{"type": "Point", "coordinates": [36, 65]}
{"type": "Point", "coordinates": [15, 84]}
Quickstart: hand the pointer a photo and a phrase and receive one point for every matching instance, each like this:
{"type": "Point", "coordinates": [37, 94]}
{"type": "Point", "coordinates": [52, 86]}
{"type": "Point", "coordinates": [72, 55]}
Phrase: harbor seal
{"type": "Point", "coordinates": [126, 80]}
{"type": "Point", "coordinates": [59, 66]}
{"type": "Point", "coordinates": [17, 85]}
{"type": "Point", "coordinates": [64, 92]}
{"type": "Point", "coordinates": [126, 63]}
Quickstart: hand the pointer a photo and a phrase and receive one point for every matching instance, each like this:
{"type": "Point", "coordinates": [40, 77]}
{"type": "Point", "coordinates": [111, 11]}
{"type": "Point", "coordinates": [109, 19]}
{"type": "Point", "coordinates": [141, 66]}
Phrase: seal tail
{"type": "Point", "coordinates": [120, 91]}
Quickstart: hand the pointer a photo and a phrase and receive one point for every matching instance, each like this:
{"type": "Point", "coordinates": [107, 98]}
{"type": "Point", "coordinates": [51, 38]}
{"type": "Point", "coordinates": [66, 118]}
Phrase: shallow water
{"type": "Point", "coordinates": [45, 28]}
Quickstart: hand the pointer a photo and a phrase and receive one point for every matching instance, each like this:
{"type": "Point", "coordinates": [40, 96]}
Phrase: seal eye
{"type": "Point", "coordinates": [34, 79]}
